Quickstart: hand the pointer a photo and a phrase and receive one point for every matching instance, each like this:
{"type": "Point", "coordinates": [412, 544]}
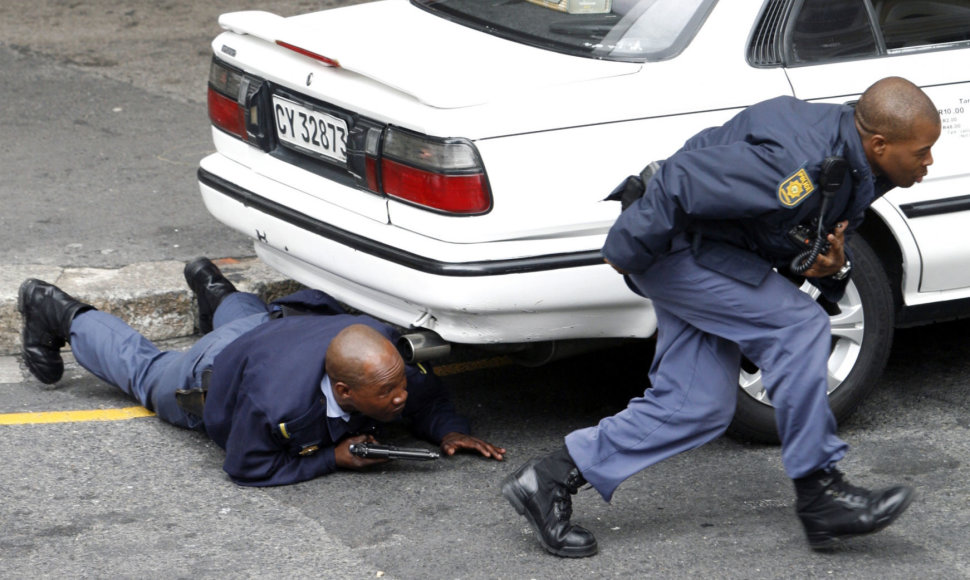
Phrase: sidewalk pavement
{"type": "Point", "coordinates": [150, 296]}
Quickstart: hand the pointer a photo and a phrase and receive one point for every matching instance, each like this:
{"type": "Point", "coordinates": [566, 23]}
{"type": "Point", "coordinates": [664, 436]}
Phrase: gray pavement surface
{"type": "Point", "coordinates": [102, 125]}
{"type": "Point", "coordinates": [142, 499]}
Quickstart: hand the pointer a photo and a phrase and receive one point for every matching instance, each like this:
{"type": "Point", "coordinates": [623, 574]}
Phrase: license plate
{"type": "Point", "coordinates": [310, 130]}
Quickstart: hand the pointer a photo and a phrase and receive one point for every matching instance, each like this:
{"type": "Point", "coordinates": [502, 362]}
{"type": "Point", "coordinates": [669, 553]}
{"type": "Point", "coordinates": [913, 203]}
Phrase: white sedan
{"type": "Point", "coordinates": [442, 164]}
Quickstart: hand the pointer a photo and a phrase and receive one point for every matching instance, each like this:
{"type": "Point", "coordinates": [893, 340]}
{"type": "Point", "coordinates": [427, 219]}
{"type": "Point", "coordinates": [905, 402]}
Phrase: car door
{"type": "Point", "coordinates": [856, 42]}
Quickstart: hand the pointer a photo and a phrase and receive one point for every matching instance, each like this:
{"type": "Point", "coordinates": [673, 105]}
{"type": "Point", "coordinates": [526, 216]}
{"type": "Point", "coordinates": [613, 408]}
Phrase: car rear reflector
{"type": "Point", "coordinates": [318, 57]}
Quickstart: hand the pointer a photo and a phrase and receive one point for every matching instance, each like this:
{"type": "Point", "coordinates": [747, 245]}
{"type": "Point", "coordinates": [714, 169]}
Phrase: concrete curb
{"type": "Point", "coordinates": [150, 296]}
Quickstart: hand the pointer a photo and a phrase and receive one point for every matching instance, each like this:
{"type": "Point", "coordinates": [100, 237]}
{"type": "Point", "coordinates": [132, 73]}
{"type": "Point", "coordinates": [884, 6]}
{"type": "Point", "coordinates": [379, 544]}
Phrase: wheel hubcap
{"type": "Point", "coordinates": [848, 327]}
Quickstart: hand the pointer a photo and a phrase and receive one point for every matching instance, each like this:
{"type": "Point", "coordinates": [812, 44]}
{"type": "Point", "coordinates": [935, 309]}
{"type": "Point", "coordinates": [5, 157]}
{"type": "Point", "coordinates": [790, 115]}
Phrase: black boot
{"type": "Point", "coordinates": [540, 490]}
{"type": "Point", "coordinates": [831, 508]}
{"type": "Point", "coordinates": [47, 312]}
{"type": "Point", "coordinates": [210, 287]}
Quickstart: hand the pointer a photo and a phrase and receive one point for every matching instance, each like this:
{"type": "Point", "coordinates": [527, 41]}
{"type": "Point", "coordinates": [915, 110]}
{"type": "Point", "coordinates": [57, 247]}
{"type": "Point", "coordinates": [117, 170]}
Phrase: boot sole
{"type": "Point", "coordinates": [510, 493]}
{"type": "Point", "coordinates": [37, 372]}
{"type": "Point", "coordinates": [825, 542]}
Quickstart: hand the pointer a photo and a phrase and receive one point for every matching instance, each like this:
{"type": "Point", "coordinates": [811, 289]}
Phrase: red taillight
{"type": "Point", "coordinates": [233, 103]}
{"type": "Point", "coordinates": [370, 174]}
{"type": "Point", "coordinates": [439, 174]}
{"type": "Point", "coordinates": [227, 114]}
{"type": "Point", "coordinates": [451, 193]}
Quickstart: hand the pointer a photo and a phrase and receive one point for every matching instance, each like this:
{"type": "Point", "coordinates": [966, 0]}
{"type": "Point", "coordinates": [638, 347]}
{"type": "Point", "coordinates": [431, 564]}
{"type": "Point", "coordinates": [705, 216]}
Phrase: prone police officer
{"type": "Point", "coordinates": [703, 243]}
{"type": "Point", "coordinates": [285, 390]}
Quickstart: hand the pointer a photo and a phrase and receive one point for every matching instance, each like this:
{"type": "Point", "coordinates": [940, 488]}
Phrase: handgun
{"type": "Point", "coordinates": [375, 451]}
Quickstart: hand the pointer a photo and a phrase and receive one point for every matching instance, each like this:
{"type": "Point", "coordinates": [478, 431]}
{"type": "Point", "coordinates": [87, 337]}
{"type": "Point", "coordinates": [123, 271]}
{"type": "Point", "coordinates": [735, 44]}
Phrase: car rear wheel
{"type": "Point", "coordinates": [862, 332]}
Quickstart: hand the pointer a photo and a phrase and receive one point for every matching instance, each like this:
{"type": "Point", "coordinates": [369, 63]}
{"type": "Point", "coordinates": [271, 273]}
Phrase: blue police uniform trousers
{"type": "Point", "coordinates": [117, 354]}
{"type": "Point", "coordinates": [706, 320]}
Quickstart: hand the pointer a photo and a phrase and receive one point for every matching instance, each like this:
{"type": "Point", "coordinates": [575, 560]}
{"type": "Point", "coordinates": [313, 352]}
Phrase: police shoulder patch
{"type": "Point", "coordinates": [794, 189]}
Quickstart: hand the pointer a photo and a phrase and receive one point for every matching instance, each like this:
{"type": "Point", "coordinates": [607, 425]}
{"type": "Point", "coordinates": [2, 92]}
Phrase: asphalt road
{"type": "Point", "coordinates": [137, 498]}
{"type": "Point", "coordinates": [103, 122]}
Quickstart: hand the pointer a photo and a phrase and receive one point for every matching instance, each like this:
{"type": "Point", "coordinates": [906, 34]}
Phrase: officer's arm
{"type": "Point", "coordinates": [433, 416]}
{"type": "Point", "coordinates": [256, 455]}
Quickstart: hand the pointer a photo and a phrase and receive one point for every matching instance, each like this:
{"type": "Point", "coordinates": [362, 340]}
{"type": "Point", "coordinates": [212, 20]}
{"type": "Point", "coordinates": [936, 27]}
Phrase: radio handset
{"type": "Point", "coordinates": [831, 177]}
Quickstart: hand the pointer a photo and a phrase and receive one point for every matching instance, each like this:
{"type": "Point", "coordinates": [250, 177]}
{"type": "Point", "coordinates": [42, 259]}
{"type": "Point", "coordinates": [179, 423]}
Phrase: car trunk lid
{"type": "Point", "coordinates": [449, 66]}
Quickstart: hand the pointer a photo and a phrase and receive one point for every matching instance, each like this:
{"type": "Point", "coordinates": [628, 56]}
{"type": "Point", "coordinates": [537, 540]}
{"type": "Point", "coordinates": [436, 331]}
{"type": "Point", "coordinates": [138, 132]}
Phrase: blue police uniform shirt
{"type": "Point", "coordinates": [732, 193]}
{"type": "Point", "coordinates": [266, 409]}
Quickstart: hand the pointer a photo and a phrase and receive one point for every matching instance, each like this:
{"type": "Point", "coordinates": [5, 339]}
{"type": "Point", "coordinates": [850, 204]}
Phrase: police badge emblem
{"type": "Point", "coordinates": [795, 188]}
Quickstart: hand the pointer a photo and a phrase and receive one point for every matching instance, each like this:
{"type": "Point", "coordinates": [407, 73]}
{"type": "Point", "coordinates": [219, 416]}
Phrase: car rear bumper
{"type": "Point", "coordinates": [506, 300]}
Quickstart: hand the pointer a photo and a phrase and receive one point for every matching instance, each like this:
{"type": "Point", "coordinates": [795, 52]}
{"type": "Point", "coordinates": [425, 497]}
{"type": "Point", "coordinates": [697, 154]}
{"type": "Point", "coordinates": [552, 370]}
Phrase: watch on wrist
{"type": "Point", "coordinates": [843, 272]}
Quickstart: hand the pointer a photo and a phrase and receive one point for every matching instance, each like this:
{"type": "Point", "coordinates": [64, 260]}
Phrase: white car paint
{"type": "Point", "coordinates": [556, 133]}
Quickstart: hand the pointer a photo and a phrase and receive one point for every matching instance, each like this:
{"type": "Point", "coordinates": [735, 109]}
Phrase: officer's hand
{"type": "Point", "coordinates": [454, 441]}
{"type": "Point", "coordinates": [620, 270]}
{"type": "Point", "coordinates": [347, 460]}
{"type": "Point", "coordinates": [832, 261]}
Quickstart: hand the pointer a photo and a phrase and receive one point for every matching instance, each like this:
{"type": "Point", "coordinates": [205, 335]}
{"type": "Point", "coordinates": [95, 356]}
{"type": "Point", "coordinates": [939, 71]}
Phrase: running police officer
{"type": "Point", "coordinates": [702, 243]}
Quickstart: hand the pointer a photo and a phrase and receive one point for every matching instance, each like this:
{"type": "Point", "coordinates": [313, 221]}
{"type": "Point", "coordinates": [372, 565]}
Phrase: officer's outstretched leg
{"type": "Point", "coordinates": [116, 353]}
{"type": "Point", "coordinates": [691, 401]}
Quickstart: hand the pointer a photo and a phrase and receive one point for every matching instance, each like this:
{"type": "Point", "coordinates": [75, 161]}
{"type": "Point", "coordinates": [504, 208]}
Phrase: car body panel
{"type": "Point", "coordinates": [442, 303]}
{"type": "Point", "coordinates": [556, 134]}
{"type": "Point", "coordinates": [481, 68]}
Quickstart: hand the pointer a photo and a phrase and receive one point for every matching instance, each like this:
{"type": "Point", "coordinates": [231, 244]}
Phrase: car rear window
{"type": "Point", "coordinates": [624, 30]}
{"type": "Point", "coordinates": [793, 34]}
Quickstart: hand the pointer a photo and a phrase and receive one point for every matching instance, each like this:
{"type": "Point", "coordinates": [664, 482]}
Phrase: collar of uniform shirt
{"type": "Point", "coordinates": [333, 409]}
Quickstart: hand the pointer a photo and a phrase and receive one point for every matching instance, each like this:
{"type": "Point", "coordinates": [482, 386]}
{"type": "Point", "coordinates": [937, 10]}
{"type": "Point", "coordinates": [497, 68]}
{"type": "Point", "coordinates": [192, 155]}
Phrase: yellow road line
{"type": "Point", "coordinates": [135, 412]}
{"type": "Point", "coordinates": [75, 416]}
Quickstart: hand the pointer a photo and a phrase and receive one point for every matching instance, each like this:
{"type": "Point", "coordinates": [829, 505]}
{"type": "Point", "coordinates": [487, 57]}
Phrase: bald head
{"type": "Point", "coordinates": [359, 354]}
{"type": "Point", "coordinates": [893, 107]}
{"type": "Point", "coordinates": [898, 126]}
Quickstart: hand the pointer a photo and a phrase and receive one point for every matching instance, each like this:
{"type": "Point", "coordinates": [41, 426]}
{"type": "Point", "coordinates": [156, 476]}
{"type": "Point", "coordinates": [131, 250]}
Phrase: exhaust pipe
{"type": "Point", "coordinates": [422, 345]}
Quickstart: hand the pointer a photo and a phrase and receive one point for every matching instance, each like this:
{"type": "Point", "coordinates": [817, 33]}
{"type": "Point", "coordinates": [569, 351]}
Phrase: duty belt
{"type": "Point", "coordinates": [192, 401]}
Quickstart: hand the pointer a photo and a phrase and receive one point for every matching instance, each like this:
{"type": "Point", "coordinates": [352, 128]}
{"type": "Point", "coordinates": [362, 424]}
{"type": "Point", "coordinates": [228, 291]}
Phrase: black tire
{"type": "Point", "coordinates": [862, 333]}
